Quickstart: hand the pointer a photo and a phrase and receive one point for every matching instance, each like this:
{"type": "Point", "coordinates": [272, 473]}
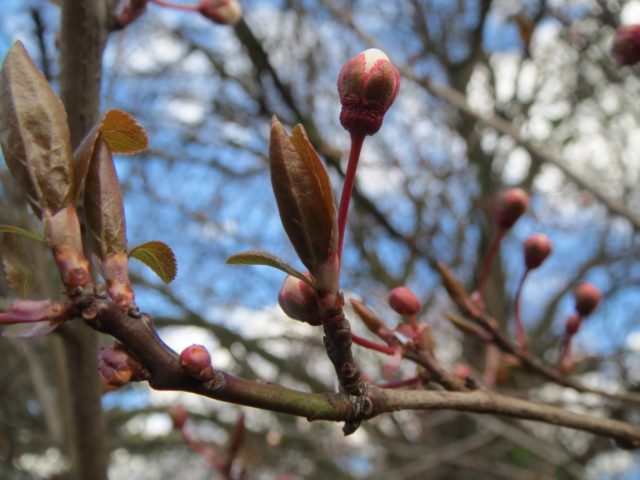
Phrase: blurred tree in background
{"type": "Point", "coordinates": [494, 94]}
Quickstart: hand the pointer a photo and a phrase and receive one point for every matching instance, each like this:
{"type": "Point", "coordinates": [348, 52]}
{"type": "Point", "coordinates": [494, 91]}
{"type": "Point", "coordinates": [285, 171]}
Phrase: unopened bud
{"type": "Point", "coordinates": [367, 84]}
{"type": "Point", "coordinates": [196, 362]}
{"type": "Point", "coordinates": [404, 301]}
{"type": "Point", "coordinates": [626, 45]}
{"type": "Point", "coordinates": [179, 415]}
{"type": "Point", "coordinates": [537, 248]}
{"type": "Point", "coordinates": [32, 318]}
{"type": "Point", "coordinates": [299, 301]}
{"type": "Point", "coordinates": [573, 325]}
{"type": "Point", "coordinates": [117, 367]}
{"type": "Point", "coordinates": [224, 12]}
{"type": "Point", "coordinates": [587, 297]}
{"type": "Point", "coordinates": [510, 207]}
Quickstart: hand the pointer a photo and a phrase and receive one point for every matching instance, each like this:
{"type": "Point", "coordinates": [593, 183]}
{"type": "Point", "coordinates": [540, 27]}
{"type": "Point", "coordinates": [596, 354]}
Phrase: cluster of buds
{"type": "Point", "coordinates": [587, 297]}
{"type": "Point", "coordinates": [118, 367]}
{"type": "Point", "coordinates": [196, 362]}
{"type": "Point", "coordinates": [626, 45]}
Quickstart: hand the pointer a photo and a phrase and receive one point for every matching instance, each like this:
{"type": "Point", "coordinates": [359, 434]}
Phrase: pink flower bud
{"type": "Point", "coordinates": [537, 248]}
{"type": "Point", "coordinates": [510, 207]}
{"type": "Point", "coordinates": [179, 415]}
{"type": "Point", "coordinates": [118, 367]}
{"type": "Point", "coordinates": [196, 362]}
{"type": "Point", "coordinates": [404, 301]}
{"type": "Point", "coordinates": [224, 12]}
{"type": "Point", "coordinates": [367, 84]}
{"type": "Point", "coordinates": [298, 300]}
{"type": "Point", "coordinates": [43, 316]}
{"type": "Point", "coordinates": [587, 297]}
{"type": "Point", "coordinates": [626, 45]}
{"type": "Point", "coordinates": [573, 325]}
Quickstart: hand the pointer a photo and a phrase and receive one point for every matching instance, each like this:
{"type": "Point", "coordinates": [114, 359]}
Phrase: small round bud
{"type": "Point", "coordinates": [179, 415]}
{"type": "Point", "coordinates": [367, 84]}
{"type": "Point", "coordinates": [573, 325]}
{"type": "Point", "coordinates": [224, 12]}
{"type": "Point", "coordinates": [298, 300]}
{"type": "Point", "coordinates": [510, 207]}
{"type": "Point", "coordinates": [587, 297]}
{"type": "Point", "coordinates": [626, 45]}
{"type": "Point", "coordinates": [404, 301]}
{"type": "Point", "coordinates": [196, 362]}
{"type": "Point", "coordinates": [537, 248]}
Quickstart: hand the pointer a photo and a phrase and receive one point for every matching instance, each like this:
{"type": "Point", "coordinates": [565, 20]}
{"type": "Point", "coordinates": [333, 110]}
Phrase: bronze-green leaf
{"type": "Point", "coordinates": [159, 257]}
{"type": "Point", "coordinates": [268, 259]}
{"type": "Point", "coordinates": [15, 263]}
{"type": "Point", "coordinates": [34, 133]}
{"type": "Point", "coordinates": [303, 194]}
{"type": "Point", "coordinates": [121, 133]}
{"type": "Point", "coordinates": [103, 203]}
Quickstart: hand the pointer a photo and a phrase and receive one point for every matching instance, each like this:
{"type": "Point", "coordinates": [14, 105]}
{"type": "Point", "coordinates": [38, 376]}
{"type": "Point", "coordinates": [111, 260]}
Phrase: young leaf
{"type": "Point", "coordinates": [34, 133]}
{"type": "Point", "coordinates": [121, 133]}
{"type": "Point", "coordinates": [159, 257]}
{"type": "Point", "coordinates": [15, 264]}
{"type": "Point", "coordinates": [103, 203]}
{"type": "Point", "coordinates": [20, 231]}
{"type": "Point", "coordinates": [264, 258]}
{"type": "Point", "coordinates": [303, 194]}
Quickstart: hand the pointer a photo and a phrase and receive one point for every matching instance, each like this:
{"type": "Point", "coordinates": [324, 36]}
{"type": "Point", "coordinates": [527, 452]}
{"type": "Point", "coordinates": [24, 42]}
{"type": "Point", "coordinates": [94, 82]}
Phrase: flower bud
{"type": "Point", "coordinates": [117, 367]}
{"type": "Point", "coordinates": [32, 318]}
{"type": "Point", "coordinates": [224, 12]}
{"type": "Point", "coordinates": [179, 415]}
{"type": "Point", "coordinates": [196, 362]}
{"type": "Point", "coordinates": [537, 248]}
{"type": "Point", "coordinates": [404, 301]}
{"type": "Point", "coordinates": [367, 84]}
{"type": "Point", "coordinates": [587, 297]}
{"type": "Point", "coordinates": [510, 207]}
{"type": "Point", "coordinates": [626, 45]}
{"type": "Point", "coordinates": [298, 300]}
{"type": "Point", "coordinates": [573, 325]}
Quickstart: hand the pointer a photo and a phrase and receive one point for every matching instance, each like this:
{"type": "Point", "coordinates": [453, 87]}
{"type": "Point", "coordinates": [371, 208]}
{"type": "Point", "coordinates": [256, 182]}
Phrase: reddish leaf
{"type": "Point", "coordinates": [159, 257]}
{"type": "Point", "coordinates": [103, 203]}
{"type": "Point", "coordinates": [34, 133]}
{"type": "Point", "coordinates": [304, 196]}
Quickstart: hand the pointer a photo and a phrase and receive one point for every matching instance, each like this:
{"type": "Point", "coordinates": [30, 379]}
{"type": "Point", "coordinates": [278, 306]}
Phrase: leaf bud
{"type": "Point", "coordinates": [367, 84]}
{"type": "Point", "coordinates": [510, 207]}
{"type": "Point", "coordinates": [626, 45]}
{"type": "Point", "coordinates": [196, 362]}
{"type": "Point", "coordinates": [587, 297]}
{"type": "Point", "coordinates": [118, 367]}
{"type": "Point", "coordinates": [537, 248]}
{"type": "Point", "coordinates": [299, 301]}
{"type": "Point", "coordinates": [179, 415]}
{"type": "Point", "coordinates": [224, 12]}
{"type": "Point", "coordinates": [573, 325]}
{"type": "Point", "coordinates": [404, 301]}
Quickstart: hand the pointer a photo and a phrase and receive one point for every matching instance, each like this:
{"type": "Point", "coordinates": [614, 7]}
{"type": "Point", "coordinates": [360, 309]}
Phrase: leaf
{"type": "Point", "coordinates": [15, 264]}
{"type": "Point", "coordinates": [19, 231]}
{"type": "Point", "coordinates": [303, 194]}
{"type": "Point", "coordinates": [103, 203]}
{"type": "Point", "coordinates": [122, 135]}
{"type": "Point", "coordinates": [159, 257]}
{"type": "Point", "coordinates": [34, 133]}
{"type": "Point", "coordinates": [270, 260]}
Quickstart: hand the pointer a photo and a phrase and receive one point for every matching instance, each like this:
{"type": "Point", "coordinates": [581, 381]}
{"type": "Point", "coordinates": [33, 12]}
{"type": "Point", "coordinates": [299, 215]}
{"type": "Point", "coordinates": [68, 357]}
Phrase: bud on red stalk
{"type": "Point", "coordinates": [367, 84]}
{"type": "Point", "coordinates": [299, 300]}
{"type": "Point", "coordinates": [404, 301]}
{"type": "Point", "coordinates": [179, 415]}
{"type": "Point", "coordinates": [537, 248]}
{"type": "Point", "coordinates": [196, 362]}
{"type": "Point", "coordinates": [510, 207]}
{"type": "Point", "coordinates": [573, 325]}
{"type": "Point", "coordinates": [587, 297]}
{"type": "Point", "coordinates": [626, 45]}
{"type": "Point", "coordinates": [224, 12]}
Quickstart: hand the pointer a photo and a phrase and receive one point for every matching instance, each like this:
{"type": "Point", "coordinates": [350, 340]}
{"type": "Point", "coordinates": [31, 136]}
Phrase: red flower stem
{"type": "Point", "coordinates": [357, 139]}
{"type": "Point", "coordinates": [520, 335]}
{"type": "Point", "coordinates": [177, 6]}
{"type": "Point", "coordinates": [402, 383]}
{"type": "Point", "coordinates": [486, 268]}
{"type": "Point", "coordinates": [378, 347]}
{"type": "Point", "coordinates": [411, 319]}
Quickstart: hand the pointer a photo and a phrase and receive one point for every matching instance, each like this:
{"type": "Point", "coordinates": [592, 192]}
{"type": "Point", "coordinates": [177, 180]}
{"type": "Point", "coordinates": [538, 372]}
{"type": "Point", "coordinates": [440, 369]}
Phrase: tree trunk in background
{"type": "Point", "coordinates": [83, 33]}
